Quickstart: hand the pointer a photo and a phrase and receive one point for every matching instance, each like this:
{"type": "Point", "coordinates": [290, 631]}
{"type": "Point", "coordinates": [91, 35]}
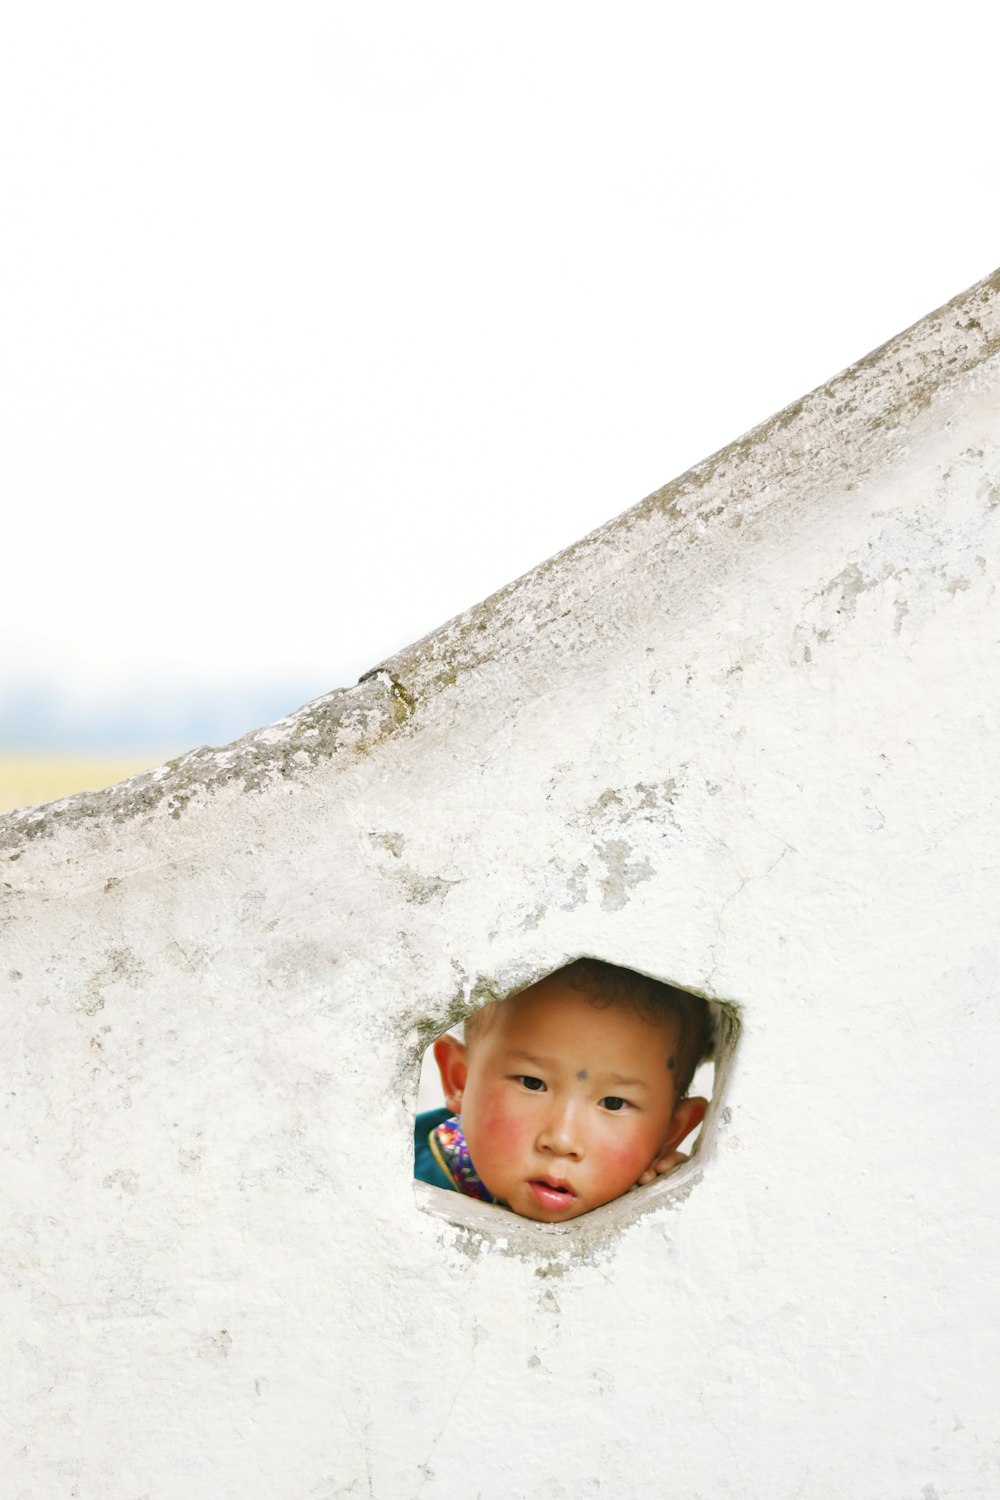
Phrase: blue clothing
{"type": "Point", "coordinates": [441, 1155]}
{"type": "Point", "coordinates": [426, 1167]}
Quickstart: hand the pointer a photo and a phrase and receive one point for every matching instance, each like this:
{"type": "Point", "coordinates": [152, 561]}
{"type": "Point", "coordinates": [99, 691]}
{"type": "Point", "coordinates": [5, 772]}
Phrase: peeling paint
{"type": "Point", "coordinates": [624, 871]}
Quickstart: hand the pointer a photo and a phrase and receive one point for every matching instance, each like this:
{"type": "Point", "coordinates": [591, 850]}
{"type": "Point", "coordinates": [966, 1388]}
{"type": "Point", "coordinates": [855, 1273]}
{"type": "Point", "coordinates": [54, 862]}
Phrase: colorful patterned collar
{"type": "Point", "coordinates": [448, 1146]}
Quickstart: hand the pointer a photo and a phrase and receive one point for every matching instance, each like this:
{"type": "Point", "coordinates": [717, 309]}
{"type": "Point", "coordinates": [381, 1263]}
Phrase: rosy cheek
{"type": "Point", "coordinates": [626, 1157]}
{"type": "Point", "coordinates": [498, 1135]}
{"type": "Point", "coordinates": [504, 1126]}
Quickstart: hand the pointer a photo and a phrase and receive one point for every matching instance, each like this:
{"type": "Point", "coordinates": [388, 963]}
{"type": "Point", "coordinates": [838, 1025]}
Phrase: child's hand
{"type": "Point", "coordinates": [661, 1165]}
{"type": "Point", "coordinates": [687, 1116]}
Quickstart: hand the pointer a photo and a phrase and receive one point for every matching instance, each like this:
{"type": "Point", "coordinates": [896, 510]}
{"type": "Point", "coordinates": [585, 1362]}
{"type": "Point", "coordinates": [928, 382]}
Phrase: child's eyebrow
{"type": "Point", "coordinates": [538, 1062]}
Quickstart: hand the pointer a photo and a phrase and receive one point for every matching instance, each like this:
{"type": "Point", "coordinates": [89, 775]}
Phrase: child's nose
{"type": "Point", "coordinates": [560, 1131]}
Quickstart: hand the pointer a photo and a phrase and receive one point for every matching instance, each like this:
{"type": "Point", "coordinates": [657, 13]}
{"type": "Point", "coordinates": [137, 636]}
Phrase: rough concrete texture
{"type": "Point", "coordinates": [745, 738]}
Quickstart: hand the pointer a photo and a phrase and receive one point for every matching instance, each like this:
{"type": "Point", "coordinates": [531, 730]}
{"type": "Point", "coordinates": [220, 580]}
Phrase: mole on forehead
{"type": "Point", "coordinates": [582, 1073]}
{"type": "Point", "coordinates": [671, 1062]}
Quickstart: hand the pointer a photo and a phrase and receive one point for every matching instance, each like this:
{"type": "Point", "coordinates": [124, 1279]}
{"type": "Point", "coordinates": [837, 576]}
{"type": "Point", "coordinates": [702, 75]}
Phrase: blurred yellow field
{"type": "Point", "coordinates": [27, 779]}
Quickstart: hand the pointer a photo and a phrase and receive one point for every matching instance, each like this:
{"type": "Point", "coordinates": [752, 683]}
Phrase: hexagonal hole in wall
{"type": "Point", "coordinates": [580, 1100]}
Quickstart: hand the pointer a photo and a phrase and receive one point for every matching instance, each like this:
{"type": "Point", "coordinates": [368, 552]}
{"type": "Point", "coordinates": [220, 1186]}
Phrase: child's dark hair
{"type": "Point", "coordinates": [609, 984]}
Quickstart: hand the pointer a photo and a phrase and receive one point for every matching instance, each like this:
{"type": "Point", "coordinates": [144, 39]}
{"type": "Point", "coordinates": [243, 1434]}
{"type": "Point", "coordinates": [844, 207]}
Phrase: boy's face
{"type": "Point", "coordinates": [564, 1103]}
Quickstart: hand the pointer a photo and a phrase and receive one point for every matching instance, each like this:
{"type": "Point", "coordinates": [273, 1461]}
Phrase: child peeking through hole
{"type": "Point", "coordinates": [568, 1094]}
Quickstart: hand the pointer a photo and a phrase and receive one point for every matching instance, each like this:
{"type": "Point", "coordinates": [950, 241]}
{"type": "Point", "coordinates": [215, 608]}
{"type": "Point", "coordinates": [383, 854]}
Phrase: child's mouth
{"type": "Point", "coordinates": [550, 1194]}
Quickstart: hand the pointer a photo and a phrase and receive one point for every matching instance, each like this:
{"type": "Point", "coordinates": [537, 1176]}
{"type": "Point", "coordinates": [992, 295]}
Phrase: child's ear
{"type": "Point", "coordinates": [688, 1114]}
{"type": "Point", "coordinates": [453, 1064]}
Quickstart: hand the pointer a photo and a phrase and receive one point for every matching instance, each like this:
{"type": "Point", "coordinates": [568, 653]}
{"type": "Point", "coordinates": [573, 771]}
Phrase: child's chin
{"type": "Point", "coordinates": [556, 1216]}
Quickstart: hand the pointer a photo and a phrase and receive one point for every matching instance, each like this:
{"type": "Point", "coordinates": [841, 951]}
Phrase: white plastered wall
{"type": "Point", "coordinates": [745, 738]}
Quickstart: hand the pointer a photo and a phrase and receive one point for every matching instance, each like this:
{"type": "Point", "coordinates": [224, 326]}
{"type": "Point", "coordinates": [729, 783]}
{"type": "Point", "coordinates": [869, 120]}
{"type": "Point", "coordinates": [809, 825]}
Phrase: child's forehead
{"type": "Point", "coordinates": [556, 1008]}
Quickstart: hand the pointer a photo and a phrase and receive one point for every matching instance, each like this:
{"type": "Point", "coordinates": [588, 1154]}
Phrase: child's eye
{"type": "Point", "coordinates": [534, 1084]}
{"type": "Point", "coordinates": [612, 1102]}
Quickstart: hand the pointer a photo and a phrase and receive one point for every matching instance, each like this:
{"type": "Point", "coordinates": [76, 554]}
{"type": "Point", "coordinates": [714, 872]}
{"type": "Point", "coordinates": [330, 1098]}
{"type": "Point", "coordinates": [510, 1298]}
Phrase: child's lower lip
{"type": "Point", "coordinates": [551, 1197]}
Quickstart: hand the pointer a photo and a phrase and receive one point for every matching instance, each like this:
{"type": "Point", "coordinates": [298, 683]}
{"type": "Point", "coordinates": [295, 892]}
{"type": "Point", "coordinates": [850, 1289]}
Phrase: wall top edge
{"type": "Point", "coordinates": [842, 432]}
{"type": "Point", "coordinates": [356, 718]}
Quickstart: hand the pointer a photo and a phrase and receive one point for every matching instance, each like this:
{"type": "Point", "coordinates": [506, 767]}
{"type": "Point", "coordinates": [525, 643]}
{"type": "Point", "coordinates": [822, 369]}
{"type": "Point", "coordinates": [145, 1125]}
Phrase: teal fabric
{"type": "Point", "coordinates": [425, 1168]}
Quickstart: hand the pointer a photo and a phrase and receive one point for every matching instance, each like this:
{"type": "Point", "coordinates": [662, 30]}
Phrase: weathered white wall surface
{"type": "Point", "coordinates": [746, 738]}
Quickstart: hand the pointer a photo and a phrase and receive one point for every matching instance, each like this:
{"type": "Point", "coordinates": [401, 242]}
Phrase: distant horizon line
{"type": "Point", "coordinates": [42, 718]}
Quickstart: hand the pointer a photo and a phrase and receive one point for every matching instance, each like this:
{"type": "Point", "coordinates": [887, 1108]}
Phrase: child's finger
{"type": "Point", "coordinates": [666, 1163]}
{"type": "Point", "coordinates": [661, 1165]}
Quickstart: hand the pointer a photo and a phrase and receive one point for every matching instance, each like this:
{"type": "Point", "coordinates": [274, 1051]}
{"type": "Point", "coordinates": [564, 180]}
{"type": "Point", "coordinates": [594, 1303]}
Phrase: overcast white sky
{"type": "Point", "coordinates": [322, 321]}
